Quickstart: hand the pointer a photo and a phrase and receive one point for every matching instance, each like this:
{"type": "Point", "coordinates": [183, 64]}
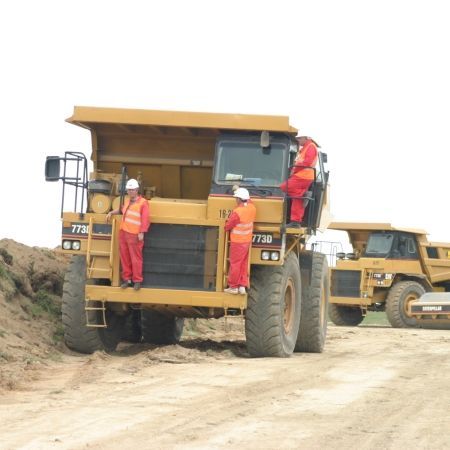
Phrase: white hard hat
{"type": "Point", "coordinates": [241, 193]}
{"type": "Point", "coordinates": [132, 184]}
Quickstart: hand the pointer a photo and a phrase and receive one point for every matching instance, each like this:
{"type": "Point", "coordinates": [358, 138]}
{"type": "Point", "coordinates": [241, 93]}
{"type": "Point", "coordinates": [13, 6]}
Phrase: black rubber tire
{"type": "Point", "coordinates": [395, 303]}
{"type": "Point", "coordinates": [315, 299]}
{"type": "Point", "coordinates": [265, 329]}
{"type": "Point", "coordinates": [160, 329]}
{"type": "Point", "coordinates": [345, 316]}
{"type": "Point", "coordinates": [132, 327]}
{"type": "Point", "coordinates": [77, 335]}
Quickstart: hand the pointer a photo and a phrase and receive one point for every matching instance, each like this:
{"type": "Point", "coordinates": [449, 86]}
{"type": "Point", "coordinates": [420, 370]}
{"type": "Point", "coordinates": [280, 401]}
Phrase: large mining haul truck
{"type": "Point", "coordinates": [388, 270]}
{"type": "Point", "coordinates": [187, 165]}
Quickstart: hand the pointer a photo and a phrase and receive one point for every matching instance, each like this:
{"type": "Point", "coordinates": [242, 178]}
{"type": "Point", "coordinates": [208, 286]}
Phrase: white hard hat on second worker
{"type": "Point", "coordinates": [241, 193]}
{"type": "Point", "coordinates": [132, 184]}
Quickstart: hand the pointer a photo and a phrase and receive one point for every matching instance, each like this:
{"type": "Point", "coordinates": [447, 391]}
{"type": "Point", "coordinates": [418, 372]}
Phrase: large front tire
{"type": "Point", "coordinates": [273, 312]}
{"type": "Point", "coordinates": [315, 299]}
{"type": "Point", "coordinates": [160, 329]}
{"type": "Point", "coordinates": [77, 335]}
{"type": "Point", "coordinates": [345, 316]}
{"type": "Point", "coordinates": [399, 297]}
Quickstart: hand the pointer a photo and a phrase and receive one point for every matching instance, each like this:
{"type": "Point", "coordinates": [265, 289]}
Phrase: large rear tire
{"type": "Point", "coordinates": [77, 335]}
{"type": "Point", "coordinates": [345, 316]}
{"type": "Point", "coordinates": [273, 312]}
{"type": "Point", "coordinates": [160, 329]}
{"type": "Point", "coordinates": [315, 299]}
{"type": "Point", "coordinates": [399, 297]}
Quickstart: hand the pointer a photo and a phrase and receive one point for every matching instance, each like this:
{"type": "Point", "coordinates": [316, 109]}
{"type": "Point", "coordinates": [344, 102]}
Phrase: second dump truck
{"type": "Point", "coordinates": [389, 269]}
{"type": "Point", "coordinates": [187, 165]}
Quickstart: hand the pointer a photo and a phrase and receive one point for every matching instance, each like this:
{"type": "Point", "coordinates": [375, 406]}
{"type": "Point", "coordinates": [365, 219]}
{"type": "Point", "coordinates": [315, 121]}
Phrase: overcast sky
{"type": "Point", "coordinates": [370, 81]}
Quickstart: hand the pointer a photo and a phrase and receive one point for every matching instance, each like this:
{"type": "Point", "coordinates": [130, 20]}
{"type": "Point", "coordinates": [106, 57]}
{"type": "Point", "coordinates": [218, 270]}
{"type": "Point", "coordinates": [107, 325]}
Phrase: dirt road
{"type": "Point", "coordinates": [372, 388]}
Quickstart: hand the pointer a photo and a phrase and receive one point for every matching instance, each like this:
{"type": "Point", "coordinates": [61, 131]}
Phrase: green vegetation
{"type": "Point", "coordinates": [44, 304]}
{"type": "Point", "coordinates": [375, 319]}
{"type": "Point", "coordinates": [58, 335]}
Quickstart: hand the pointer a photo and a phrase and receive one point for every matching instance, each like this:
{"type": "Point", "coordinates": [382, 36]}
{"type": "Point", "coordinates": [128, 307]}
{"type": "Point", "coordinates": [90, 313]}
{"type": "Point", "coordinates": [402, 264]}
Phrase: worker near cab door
{"type": "Point", "coordinates": [135, 222]}
{"type": "Point", "coordinates": [301, 178]}
{"type": "Point", "coordinates": [240, 226]}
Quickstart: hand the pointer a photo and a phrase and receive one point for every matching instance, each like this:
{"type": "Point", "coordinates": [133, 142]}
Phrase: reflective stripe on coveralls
{"type": "Point", "coordinates": [131, 220]}
{"type": "Point", "coordinates": [243, 231]}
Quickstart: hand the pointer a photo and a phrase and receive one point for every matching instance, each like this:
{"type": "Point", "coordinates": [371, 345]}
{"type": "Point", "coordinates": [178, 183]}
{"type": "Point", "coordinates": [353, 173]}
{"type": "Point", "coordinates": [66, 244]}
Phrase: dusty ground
{"type": "Point", "coordinates": [373, 387]}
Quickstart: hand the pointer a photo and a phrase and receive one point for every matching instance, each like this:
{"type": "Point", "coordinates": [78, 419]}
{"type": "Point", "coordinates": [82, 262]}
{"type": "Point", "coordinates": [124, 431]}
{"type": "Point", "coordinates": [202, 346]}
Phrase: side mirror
{"type": "Point", "coordinates": [52, 168]}
{"type": "Point", "coordinates": [324, 157]}
{"type": "Point", "coordinates": [265, 139]}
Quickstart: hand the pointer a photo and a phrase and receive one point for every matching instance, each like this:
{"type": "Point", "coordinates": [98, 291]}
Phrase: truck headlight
{"type": "Point", "coordinates": [265, 255]}
{"type": "Point", "coordinates": [67, 245]}
{"type": "Point", "coordinates": [275, 256]}
{"type": "Point", "coordinates": [76, 245]}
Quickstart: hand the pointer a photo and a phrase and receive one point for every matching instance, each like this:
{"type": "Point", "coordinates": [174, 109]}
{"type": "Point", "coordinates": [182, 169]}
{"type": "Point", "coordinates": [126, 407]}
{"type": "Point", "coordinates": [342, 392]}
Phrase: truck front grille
{"type": "Point", "coordinates": [345, 283]}
{"type": "Point", "coordinates": [180, 257]}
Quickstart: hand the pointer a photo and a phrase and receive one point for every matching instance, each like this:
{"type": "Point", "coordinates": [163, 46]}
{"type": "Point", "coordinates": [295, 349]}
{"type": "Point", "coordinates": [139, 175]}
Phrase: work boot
{"type": "Point", "coordinates": [231, 290]}
{"type": "Point", "coordinates": [293, 224]}
{"type": "Point", "coordinates": [137, 286]}
{"type": "Point", "coordinates": [126, 284]}
{"type": "Point", "coordinates": [242, 290]}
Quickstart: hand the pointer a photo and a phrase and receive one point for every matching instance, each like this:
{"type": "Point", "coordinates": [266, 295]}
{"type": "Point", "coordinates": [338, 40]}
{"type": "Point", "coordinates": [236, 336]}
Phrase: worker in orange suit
{"type": "Point", "coordinates": [240, 226]}
{"type": "Point", "coordinates": [135, 222]}
{"type": "Point", "coordinates": [300, 179]}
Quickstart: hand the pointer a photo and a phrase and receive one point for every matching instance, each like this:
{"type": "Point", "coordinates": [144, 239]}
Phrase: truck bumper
{"type": "Point", "coordinates": [146, 296]}
{"type": "Point", "coordinates": [351, 301]}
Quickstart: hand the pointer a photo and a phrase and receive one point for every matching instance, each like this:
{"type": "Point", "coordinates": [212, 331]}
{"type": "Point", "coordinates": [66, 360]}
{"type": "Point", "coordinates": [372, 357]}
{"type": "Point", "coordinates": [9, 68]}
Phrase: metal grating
{"type": "Point", "coordinates": [345, 283]}
{"type": "Point", "coordinates": [181, 257]}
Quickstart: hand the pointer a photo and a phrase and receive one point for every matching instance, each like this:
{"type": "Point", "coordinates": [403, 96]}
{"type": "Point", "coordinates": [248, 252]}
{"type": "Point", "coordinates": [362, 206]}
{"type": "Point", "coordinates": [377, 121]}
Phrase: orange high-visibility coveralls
{"type": "Point", "coordinates": [301, 178]}
{"type": "Point", "coordinates": [135, 220]}
{"type": "Point", "coordinates": [240, 225]}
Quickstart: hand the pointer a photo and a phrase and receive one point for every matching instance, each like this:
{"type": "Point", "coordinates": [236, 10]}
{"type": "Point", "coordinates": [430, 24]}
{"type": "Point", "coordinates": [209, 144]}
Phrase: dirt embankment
{"type": "Point", "coordinates": [31, 282]}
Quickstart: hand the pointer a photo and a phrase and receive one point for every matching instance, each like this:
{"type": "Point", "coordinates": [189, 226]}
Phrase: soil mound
{"type": "Point", "coordinates": [31, 280]}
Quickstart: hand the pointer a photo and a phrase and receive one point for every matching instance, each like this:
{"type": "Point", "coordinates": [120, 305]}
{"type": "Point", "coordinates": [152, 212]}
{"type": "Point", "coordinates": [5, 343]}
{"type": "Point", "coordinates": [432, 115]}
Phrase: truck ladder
{"type": "Point", "coordinates": [101, 308]}
{"type": "Point", "coordinates": [91, 254]}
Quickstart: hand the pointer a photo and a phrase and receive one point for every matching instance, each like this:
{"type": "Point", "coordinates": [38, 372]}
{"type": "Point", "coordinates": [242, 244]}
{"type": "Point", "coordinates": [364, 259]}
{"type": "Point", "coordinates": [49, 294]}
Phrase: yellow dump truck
{"type": "Point", "coordinates": [388, 270]}
{"type": "Point", "coordinates": [187, 165]}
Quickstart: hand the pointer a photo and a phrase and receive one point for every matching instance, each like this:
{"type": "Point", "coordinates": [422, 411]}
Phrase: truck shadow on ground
{"type": "Point", "coordinates": [187, 350]}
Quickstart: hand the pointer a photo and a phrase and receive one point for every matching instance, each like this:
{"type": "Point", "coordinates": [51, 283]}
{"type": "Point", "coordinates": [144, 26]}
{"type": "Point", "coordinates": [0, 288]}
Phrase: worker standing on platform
{"type": "Point", "coordinates": [135, 222]}
{"type": "Point", "coordinates": [240, 226]}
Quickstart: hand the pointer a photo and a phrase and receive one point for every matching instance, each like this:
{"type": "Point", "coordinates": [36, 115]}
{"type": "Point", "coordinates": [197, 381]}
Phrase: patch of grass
{"type": "Point", "coordinates": [46, 303]}
{"type": "Point", "coordinates": [58, 335]}
{"type": "Point", "coordinates": [7, 284]}
{"type": "Point", "coordinates": [3, 272]}
{"type": "Point", "coordinates": [35, 310]}
{"type": "Point", "coordinates": [375, 319]}
{"type": "Point", "coordinates": [3, 333]}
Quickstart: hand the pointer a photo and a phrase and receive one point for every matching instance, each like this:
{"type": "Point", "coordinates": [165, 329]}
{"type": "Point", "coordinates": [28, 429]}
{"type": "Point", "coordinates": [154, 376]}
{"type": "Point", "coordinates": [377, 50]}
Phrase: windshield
{"type": "Point", "coordinates": [250, 164]}
{"type": "Point", "coordinates": [379, 244]}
